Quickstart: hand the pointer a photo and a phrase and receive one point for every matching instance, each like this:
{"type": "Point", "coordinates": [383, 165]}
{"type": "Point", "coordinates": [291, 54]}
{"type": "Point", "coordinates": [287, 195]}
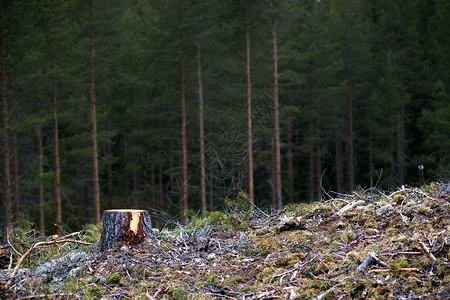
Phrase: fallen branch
{"type": "Point", "coordinates": [427, 251]}
{"type": "Point", "coordinates": [366, 262]}
{"type": "Point", "coordinates": [372, 254]}
{"type": "Point", "coordinates": [400, 269]}
{"type": "Point", "coordinates": [56, 296]}
{"type": "Point", "coordinates": [348, 207]}
{"type": "Point", "coordinates": [37, 245]}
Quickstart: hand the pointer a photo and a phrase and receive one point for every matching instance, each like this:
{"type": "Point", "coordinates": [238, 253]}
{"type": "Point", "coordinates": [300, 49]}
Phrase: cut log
{"type": "Point", "coordinates": [128, 226]}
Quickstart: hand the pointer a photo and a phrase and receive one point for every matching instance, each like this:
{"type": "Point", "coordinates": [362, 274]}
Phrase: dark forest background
{"type": "Point", "coordinates": [362, 89]}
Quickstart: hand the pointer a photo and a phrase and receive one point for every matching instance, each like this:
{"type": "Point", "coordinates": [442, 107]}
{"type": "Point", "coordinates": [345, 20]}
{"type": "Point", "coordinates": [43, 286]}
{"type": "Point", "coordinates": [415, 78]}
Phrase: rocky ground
{"type": "Point", "coordinates": [368, 245]}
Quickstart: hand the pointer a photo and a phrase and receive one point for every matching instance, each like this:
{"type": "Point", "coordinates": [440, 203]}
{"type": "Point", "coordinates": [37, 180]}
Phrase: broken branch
{"type": "Point", "coordinates": [427, 251]}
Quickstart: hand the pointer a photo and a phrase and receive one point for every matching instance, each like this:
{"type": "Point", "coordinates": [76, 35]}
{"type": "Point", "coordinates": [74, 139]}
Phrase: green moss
{"type": "Point", "coordinates": [398, 264]}
{"type": "Point", "coordinates": [266, 275]}
{"type": "Point", "coordinates": [296, 257]}
{"type": "Point", "coordinates": [371, 223]}
{"type": "Point", "coordinates": [93, 292]}
{"type": "Point", "coordinates": [114, 278]}
{"type": "Point", "coordinates": [348, 236]}
{"type": "Point", "coordinates": [334, 245]}
{"type": "Point", "coordinates": [72, 286]}
{"type": "Point", "coordinates": [178, 294]}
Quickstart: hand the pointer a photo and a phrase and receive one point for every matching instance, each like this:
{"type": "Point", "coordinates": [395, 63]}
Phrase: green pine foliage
{"type": "Point", "coordinates": [361, 83]}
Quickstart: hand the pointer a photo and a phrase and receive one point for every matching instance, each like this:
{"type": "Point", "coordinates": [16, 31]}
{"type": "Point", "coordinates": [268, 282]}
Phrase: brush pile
{"type": "Point", "coordinates": [367, 245]}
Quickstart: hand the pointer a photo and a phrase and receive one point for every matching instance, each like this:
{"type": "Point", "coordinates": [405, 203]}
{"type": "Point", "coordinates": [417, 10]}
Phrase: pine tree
{"type": "Point", "coordinates": [5, 117]}
{"type": "Point", "coordinates": [96, 186]}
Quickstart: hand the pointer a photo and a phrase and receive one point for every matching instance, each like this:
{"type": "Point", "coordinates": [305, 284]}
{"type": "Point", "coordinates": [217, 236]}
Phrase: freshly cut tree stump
{"type": "Point", "coordinates": [128, 226]}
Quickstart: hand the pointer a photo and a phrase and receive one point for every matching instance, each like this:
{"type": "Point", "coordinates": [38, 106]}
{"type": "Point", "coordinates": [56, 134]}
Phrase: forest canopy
{"type": "Point", "coordinates": [178, 106]}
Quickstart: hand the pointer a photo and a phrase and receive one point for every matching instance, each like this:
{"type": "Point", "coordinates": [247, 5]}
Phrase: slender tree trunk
{"type": "Point", "coordinates": [289, 160]}
{"type": "Point", "coordinates": [152, 179]}
{"type": "Point", "coordinates": [392, 162]}
{"type": "Point", "coordinates": [161, 186]}
{"type": "Point", "coordinates": [370, 146]}
{"type": "Point", "coordinates": [55, 124]}
{"type": "Point", "coordinates": [153, 202]}
{"type": "Point", "coordinates": [40, 153]}
{"type": "Point", "coordinates": [350, 147]}
{"type": "Point", "coordinates": [249, 122]}
{"type": "Point", "coordinates": [126, 166]}
{"type": "Point", "coordinates": [41, 183]}
{"type": "Point", "coordinates": [279, 200]}
{"type": "Point", "coordinates": [96, 185]}
{"type": "Point", "coordinates": [110, 174]}
{"type": "Point", "coordinates": [15, 165]}
{"type": "Point", "coordinates": [311, 164]}
{"type": "Point", "coordinates": [134, 175]}
{"type": "Point", "coordinates": [211, 188]}
{"type": "Point", "coordinates": [400, 139]}
{"type": "Point", "coordinates": [202, 134]}
{"type": "Point", "coordinates": [184, 196]}
{"type": "Point", "coordinates": [337, 153]}
{"type": "Point", "coordinates": [5, 111]}
{"type": "Point", "coordinates": [86, 203]}
{"type": "Point", "coordinates": [318, 154]}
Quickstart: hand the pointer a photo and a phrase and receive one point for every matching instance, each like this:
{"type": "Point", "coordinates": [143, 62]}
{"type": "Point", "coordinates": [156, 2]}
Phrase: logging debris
{"type": "Point", "coordinates": [366, 245]}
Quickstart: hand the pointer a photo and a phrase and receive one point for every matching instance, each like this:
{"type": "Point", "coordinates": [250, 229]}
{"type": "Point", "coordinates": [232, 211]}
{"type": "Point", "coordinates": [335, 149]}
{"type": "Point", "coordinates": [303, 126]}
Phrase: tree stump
{"type": "Point", "coordinates": [128, 226]}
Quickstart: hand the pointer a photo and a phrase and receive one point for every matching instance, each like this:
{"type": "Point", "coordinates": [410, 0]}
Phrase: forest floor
{"type": "Point", "coordinates": [367, 245]}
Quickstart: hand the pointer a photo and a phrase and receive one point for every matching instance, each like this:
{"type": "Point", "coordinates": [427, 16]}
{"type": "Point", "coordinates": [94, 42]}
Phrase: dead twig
{"type": "Point", "coordinates": [293, 269]}
{"type": "Point", "coordinates": [56, 296]}
{"type": "Point", "coordinates": [427, 252]}
{"type": "Point", "coordinates": [372, 254]}
{"type": "Point", "coordinates": [37, 245]}
{"type": "Point", "coordinates": [349, 207]}
{"type": "Point", "coordinates": [400, 269]}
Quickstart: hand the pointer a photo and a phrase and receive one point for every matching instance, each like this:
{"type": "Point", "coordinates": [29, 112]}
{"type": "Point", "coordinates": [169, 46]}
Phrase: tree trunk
{"type": "Point", "coordinates": [6, 162]}
{"type": "Point", "coordinates": [337, 153]}
{"type": "Point", "coordinates": [96, 185]}
{"type": "Point", "coordinates": [41, 183]}
{"type": "Point", "coordinates": [202, 134]}
{"type": "Point", "coordinates": [318, 154]}
{"type": "Point", "coordinates": [15, 165]}
{"type": "Point", "coordinates": [211, 188]}
{"type": "Point", "coordinates": [161, 186]}
{"type": "Point", "coordinates": [400, 139]}
{"type": "Point", "coordinates": [184, 195]}
{"type": "Point", "coordinates": [273, 181]}
{"type": "Point", "coordinates": [370, 146]}
{"type": "Point", "coordinates": [152, 179]}
{"type": "Point", "coordinates": [350, 147]}
{"type": "Point", "coordinates": [110, 173]}
{"type": "Point", "coordinates": [289, 161]}
{"type": "Point", "coordinates": [249, 121]}
{"type": "Point", "coordinates": [311, 160]}
{"type": "Point", "coordinates": [279, 200]}
{"type": "Point", "coordinates": [128, 226]}
{"type": "Point", "coordinates": [55, 125]}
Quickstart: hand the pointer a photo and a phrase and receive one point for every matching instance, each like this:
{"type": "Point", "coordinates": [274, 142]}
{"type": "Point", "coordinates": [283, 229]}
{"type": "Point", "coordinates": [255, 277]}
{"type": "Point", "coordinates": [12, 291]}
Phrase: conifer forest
{"type": "Point", "coordinates": [177, 107]}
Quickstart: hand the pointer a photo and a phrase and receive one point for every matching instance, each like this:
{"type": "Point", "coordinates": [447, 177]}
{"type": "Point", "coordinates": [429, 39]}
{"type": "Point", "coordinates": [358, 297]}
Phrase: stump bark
{"type": "Point", "coordinates": [128, 226]}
